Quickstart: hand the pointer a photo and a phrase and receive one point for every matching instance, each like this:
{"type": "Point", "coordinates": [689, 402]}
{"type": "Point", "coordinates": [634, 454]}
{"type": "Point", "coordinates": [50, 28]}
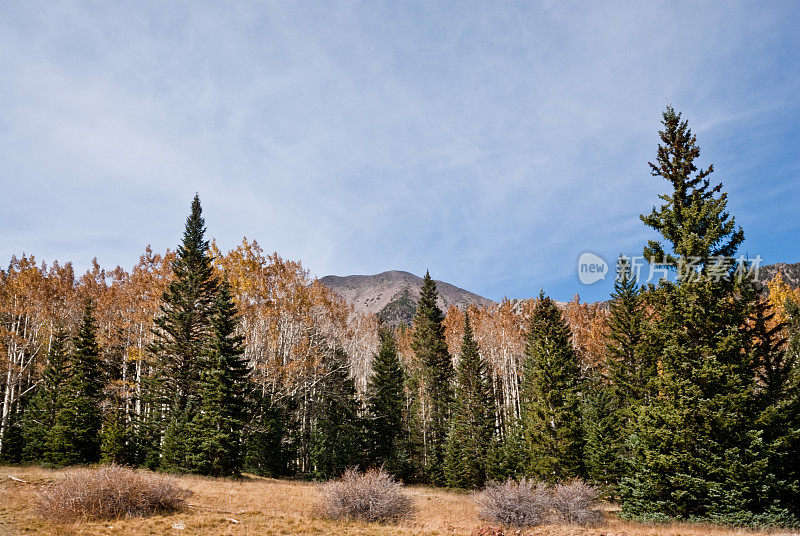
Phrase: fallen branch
{"type": "Point", "coordinates": [15, 479]}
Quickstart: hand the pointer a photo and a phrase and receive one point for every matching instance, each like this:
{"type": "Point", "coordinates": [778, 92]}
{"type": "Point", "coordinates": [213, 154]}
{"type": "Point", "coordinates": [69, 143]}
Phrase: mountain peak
{"type": "Point", "coordinates": [393, 295]}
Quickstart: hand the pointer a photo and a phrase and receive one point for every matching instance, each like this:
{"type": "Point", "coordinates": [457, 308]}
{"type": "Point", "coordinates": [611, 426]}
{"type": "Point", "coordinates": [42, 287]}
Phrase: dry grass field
{"type": "Point", "coordinates": [265, 507]}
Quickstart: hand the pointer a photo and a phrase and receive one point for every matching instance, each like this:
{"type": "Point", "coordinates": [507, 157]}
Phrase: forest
{"type": "Point", "coordinates": [680, 400]}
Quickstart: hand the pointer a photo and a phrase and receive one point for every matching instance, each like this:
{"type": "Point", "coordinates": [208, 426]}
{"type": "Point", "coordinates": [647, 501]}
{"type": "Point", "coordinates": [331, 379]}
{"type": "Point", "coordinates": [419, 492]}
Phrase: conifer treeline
{"type": "Point", "coordinates": [681, 399]}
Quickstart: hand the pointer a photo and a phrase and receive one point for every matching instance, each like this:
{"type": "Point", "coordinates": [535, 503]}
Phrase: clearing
{"type": "Point", "coordinates": [264, 507]}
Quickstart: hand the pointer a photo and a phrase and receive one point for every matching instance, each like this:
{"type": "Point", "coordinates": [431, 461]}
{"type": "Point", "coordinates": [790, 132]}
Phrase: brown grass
{"type": "Point", "coordinates": [265, 507]}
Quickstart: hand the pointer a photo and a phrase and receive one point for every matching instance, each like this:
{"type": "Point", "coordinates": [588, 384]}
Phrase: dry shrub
{"type": "Point", "coordinates": [109, 493]}
{"type": "Point", "coordinates": [516, 504]}
{"type": "Point", "coordinates": [373, 496]}
{"type": "Point", "coordinates": [575, 502]}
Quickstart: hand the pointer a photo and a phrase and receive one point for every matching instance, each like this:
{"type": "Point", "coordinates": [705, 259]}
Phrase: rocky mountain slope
{"type": "Point", "coordinates": [393, 295]}
{"type": "Point", "coordinates": [789, 271]}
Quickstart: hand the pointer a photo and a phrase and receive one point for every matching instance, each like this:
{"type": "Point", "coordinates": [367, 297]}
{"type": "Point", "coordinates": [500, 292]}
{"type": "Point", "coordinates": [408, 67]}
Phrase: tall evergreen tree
{"type": "Point", "coordinates": [779, 394]}
{"type": "Point", "coordinates": [472, 424]}
{"type": "Point", "coordinates": [40, 414]}
{"type": "Point", "coordinates": [430, 348]}
{"type": "Point", "coordinates": [507, 456]}
{"type": "Point", "coordinates": [605, 434]}
{"type": "Point", "coordinates": [182, 333]}
{"type": "Point", "coordinates": [774, 364]}
{"type": "Point", "coordinates": [630, 368]}
{"type": "Point", "coordinates": [626, 383]}
{"type": "Point", "coordinates": [699, 452]}
{"type": "Point", "coordinates": [388, 446]}
{"type": "Point", "coordinates": [217, 427]}
{"type": "Point", "coordinates": [178, 441]}
{"type": "Point", "coordinates": [337, 437]}
{"type": "Point", "coordinates": [75, 436]}
{"type": "Point", "coordinates": [266, 451]}
{"type": "Point", "coordinates": [693, 219]}
{"type": "Point", "coordinates": [115, 438]}
{"type": "Point", "coordinates": [551, 396]}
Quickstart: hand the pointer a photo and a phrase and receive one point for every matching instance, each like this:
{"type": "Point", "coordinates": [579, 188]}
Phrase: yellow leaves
{"type": "Point", "coordinates": [135, 354]}
{"type": "Point", "coordinates": [289, 320]}
{"type": "Point", "coordinates": [779, 293]}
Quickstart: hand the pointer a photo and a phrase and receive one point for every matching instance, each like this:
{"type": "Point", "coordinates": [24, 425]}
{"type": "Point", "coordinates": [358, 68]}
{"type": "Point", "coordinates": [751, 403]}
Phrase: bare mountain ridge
{"type": "Point", "coordinates": [393, 295]}
{"type": "Point", "coordinates": [789, 271]}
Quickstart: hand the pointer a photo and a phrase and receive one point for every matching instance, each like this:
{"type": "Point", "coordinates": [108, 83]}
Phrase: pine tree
{"type": "Point", "coordinates": [40, 415]}
{"type": "Point", "coordinates": [551, 396]}
{"type": "Point", "coordinates": [609, 407]}
{"type": "Point", "coordinates": [337, 438]}
{"type": "Point", "coordinates": [605, 434]}
{"type": "Point", "coordinates": [693, 218]}
{"type": "Point", "coordinates": [779, 396]}
{"type": "Point", "coordinates": [75, 436]}
{"type": "Point", "coordinates": [698, 451]}
{"type": "Point", "coordinates": [178, 441]}
{"type": "Point", "coordinates": [181, 337]}
{"type": "Point", "coordinates": [265, 450]}
{"type": "Point", "coordinates": [629, 367]}
{"type": "Point", "coordinates": [385, 400]}
{"type": "Point", "coordinates": [472, 424]}
{"type": "Point", "coordinates": [767, 343]}
{"type": "Point", "coordinates": [114, 441]}
{"type": "Point", "coordinates": [430, 348]}
{"type": "Point", "coordinates": [507, 456]}
{"type": "Point", "coordinates": [220, 420]}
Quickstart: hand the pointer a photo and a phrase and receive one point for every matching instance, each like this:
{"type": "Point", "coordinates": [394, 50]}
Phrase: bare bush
{"type": "Point", "coordinates": [575, 503]}
{"type": "Point", "coordinates": [516, 504]}
{"type": "Point", "coordinates": [373, 496]}
{"type": "Point", "coordinates": [109, 493]}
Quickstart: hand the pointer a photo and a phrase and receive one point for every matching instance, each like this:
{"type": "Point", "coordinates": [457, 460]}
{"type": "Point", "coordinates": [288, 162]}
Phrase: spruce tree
{"type": "Point", "coordinates": [472, 424]}
{"type": "Point", "coordinates": [698, 452]}
{"type": "Point", "coordinates": [612, 397]}
{"type": "Point", "coordinates": [551, 396]}
{"type": "Point", "coordinates": [779, 394]}
{"type": "Point", "coordinates": [337, 437]}
{"type": "Point", "coordinates": [40, 414]}
{"type": "Point", "coordinates": [181, 337]}
{"type": "Point", "coordinates": [774, 364]}
{"type": "Point", "coordinates": [385, 409]}
{"type": "Point", "coordinates": [430, 348]}
{"type": "Point", "coordinates": [114, 441]}
{"type": "Point", "coordinates": [629, 366]}
{"type": "Point", "coordinates": [605, 434]}
{"type": "Point", "coordinates": [220, 420]}
{"type": "Point", "coordinates": [178, 441]}
{"type": "Point", "coordinates": [75, 436]}
{"type": "Point", "coordinates": [507, 456]}
{"type": "Point", "coordinates": [266, 451]}
{"type": "Point", "coordinates": [693, 219]}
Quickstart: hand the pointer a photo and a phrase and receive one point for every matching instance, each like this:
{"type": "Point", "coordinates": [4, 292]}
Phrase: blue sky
{"type": "Point", "coordinates": [490, 142]}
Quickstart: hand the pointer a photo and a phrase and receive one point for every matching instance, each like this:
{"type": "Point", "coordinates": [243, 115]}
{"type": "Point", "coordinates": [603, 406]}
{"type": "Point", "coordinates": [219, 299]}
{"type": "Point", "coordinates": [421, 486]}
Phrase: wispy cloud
{"type": "Point", "coordinates": [491, 143]}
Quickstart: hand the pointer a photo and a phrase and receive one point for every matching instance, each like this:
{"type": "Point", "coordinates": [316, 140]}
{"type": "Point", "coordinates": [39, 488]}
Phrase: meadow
{"type": "Point", "coordinates": [267, 507]}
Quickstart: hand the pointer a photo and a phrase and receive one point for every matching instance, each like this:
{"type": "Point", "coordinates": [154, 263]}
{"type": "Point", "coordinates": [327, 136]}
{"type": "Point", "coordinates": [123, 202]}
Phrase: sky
{"type": "Point", "coordinates": [491, 143]}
